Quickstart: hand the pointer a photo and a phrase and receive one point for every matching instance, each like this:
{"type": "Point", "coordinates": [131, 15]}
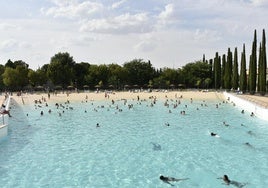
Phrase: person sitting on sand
{"type": "Point", "coordinates": [227, 181]}
{"type": "Point", "coordinates": [169, 179]}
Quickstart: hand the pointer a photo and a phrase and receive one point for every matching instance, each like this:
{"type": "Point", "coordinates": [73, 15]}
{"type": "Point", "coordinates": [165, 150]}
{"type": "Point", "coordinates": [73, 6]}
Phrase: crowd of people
{"type": "Point", "coordinates": [168, 103]}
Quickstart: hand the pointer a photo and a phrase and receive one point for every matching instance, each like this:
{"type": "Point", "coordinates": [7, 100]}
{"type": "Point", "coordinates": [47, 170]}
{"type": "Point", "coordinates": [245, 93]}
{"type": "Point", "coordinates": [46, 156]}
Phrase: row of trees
{"type": "Point", "coordinates": [226, 74]}
{"type": "Point", "coordinates": [219, 73]}
{"type": "Point", "coordinates": [64, 72]}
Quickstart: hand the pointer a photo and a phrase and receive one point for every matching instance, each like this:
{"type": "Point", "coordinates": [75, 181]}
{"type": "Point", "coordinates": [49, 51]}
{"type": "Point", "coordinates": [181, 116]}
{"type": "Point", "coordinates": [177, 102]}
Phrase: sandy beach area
{"type": "Point", "coordinates": [101, 96]}
{"type": "Point", "coordinates": [93, 96]}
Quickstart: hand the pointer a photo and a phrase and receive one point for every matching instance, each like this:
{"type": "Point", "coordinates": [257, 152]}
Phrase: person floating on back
{"type": "Point", "coordinates": [170, 179]}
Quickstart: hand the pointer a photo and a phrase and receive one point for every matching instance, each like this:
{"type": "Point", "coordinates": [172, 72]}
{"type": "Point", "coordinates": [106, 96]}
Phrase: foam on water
{"type": "Point", "coordinates": [133, 147]}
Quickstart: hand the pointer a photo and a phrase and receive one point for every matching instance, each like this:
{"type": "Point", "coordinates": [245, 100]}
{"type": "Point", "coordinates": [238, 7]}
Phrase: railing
{"type": "Point", "coordinates": [4, 124]}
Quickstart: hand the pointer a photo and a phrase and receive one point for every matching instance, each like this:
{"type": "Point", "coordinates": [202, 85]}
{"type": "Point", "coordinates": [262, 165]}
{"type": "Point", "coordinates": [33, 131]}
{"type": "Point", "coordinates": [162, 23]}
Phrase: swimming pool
{"type": "Point", "coordinates": [133, 145]}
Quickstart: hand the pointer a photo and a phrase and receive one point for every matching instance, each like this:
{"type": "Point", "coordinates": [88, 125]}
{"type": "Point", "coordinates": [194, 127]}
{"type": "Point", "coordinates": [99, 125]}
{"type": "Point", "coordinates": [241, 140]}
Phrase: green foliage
{"type": "Point", "coordinates": [80, 70]}
{"type": "Point", "coordinates": [228, 71]}
{"type": "Point", "coordinates": [61, 69]}
{"type": "Point", "coordinates": [262, 65]}
{"type": "Point", "coordinates": [37, 78]}
{"type": "Point", "coordinates": [2, 70]}
{"type": "Point", "coordinates": [253, 66]}
{"type": "Point", "coordinates": [220, 72]}
{"type": "Point", "coordinates": [217, 71]}
{"type": "Point", "coordinates": [243, 73]}
{"type": "Point", "coordinates": [235, 75]}
{"type": "Point", "coordinates": [16, 78]}
{"type": "Point", "coordinates": [192, 72]}
{"type": "Point", "coordinates": [223, 68]}
{"type": "Point", "coordinates": [139, 72]}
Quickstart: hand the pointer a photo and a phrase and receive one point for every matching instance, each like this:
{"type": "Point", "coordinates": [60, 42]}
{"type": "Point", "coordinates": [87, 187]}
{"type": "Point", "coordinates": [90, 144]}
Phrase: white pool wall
{"type": "Point", "coordinates": [258, 111]}
{"type": "Point", "coordinates": [4, 120]}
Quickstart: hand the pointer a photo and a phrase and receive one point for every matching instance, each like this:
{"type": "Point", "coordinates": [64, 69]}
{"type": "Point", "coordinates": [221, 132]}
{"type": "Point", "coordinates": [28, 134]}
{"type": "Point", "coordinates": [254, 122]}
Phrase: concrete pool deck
{"type": "Point", "coordinates": [252, 103]}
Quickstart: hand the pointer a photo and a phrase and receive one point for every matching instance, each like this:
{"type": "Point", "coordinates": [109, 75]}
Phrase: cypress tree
{"type": "Point", "coordinates": [253, 66]}
{"type": "Point", "coordinates": [249, 74]}
{"type": "Point", "coordinates": [228, 70]}
{"type": "Point", "coordinates": [204, 58]}
{"type": "Point", "coordinates": [223, 70]}
{"type": "Point", "coordinates": [217, 73]}
{"type": "Point", "coordinates": [262, 65]}
{"type": "Point", "coordinates": [235, 71]}
{"type": "Point", "coordinates": [211, 76]}
{"type": "Point", "coordinates": [243, 71]}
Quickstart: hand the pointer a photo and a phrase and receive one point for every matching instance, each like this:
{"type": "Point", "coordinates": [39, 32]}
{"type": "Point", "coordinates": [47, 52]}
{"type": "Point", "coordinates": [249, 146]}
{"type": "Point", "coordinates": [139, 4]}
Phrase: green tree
{"type": "Point", "coordinates": [223, 68]}
{"type": "Point", "coordinates": [61, 69]}
{"type": "Point", "coordinates": [192, 72]}
{"type": "Point", "coordinates": [10, 78]}
{"type": "Point", "coordinates": [235, 76]}
{"type": "Point", "coordinates": [15, 79]}
{"type": "Point", "coordinates": [2, 70]}
{"type": "Point", "coordinates": [37, 78]}
{"type": "Point", "coordinates": [117, 75]}
{"type": "Point", "coordinates": [139, 72]}
{"type": "Point", "coordinates": [259, 74]}
{"type": "Point", "coordinates": [80, 72]}
{"type": "Point", "coordinates": [243, 71]}
{"type": "Point", "coordinates": [262, 65]}
{"type": "Point", "coordinates": [217, 71]}
{"type": "Point", "coordinates": [228, 70]}
{"type": "Point", "coordinates": [253, 66]}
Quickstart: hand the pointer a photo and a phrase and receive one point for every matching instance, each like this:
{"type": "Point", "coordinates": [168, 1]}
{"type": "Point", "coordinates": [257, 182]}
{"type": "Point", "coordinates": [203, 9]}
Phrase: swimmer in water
{"type": "Point", "coordinates": [213, 134]}
{"type": "Point", "coordinates": [227, 181]}
{"type": "Point", "coordinates": [169, 179]}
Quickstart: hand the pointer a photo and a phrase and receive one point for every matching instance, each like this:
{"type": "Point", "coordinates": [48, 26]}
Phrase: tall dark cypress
{"type": "Point", "coordinates": [235, 71]}
{"type": "Point", "coordinates": [253, 66]}
{"type": "Point", "coordinates": [228, 70]}
{"type": "Point", "coordinates": [223, 71]}
{"type": "Point", "coordinates": [217, 73]}
{"type": "Point", "coordinates": [211, 76]}
{"type": "Point", "coordinates": [243, 72]}
{"type": "Point", "coordinates": [262, 65]}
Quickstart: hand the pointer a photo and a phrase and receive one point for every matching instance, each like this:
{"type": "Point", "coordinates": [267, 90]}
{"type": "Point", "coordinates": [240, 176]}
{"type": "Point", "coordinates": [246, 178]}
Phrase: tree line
{"type": "Point", "coordinates": [63, 72]}
{"type": "Point", "coordinates": [226, 74]}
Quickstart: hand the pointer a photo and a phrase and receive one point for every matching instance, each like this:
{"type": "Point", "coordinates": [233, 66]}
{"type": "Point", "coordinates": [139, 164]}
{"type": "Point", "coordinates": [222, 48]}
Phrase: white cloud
{"type": "Point", "coordinates": [73, 9]}
{"type": "Point", "coordinates": [169, 9]}
{"type": "Point", "coordinates": [118, 4]}
{"type": "Point", "coordinates": [147, 43]}
{"type": "Point", "coordinates": [8, 26]}
{"type": "Point", "coordinates": [9, 44]}
{"type": "Point", "coordinates": [259, 2]}
{"type": "Point", "coordinates": [125, 23]}
{"type": "Point", "coordinates": [164, 31]}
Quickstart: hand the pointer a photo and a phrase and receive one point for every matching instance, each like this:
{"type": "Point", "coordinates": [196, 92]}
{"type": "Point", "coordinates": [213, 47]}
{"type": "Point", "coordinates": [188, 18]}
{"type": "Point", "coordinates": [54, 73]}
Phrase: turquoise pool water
{"type": "Point", "coordinates": [132, 147]}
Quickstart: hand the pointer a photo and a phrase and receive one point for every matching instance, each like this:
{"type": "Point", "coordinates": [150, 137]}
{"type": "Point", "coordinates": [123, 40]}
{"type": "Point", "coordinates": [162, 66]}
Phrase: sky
{"type": "Point", "coordinates": [169, 33]}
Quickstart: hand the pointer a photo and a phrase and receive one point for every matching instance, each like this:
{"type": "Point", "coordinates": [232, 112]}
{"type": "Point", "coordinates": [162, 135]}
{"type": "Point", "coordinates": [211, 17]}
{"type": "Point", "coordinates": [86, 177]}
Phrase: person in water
{"type": "Point", "coordinates": [213, 134]}
{"type": "Point", "coordinates": [227, 181]}
{"type": "Point", "coordinates": [170, 179]}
